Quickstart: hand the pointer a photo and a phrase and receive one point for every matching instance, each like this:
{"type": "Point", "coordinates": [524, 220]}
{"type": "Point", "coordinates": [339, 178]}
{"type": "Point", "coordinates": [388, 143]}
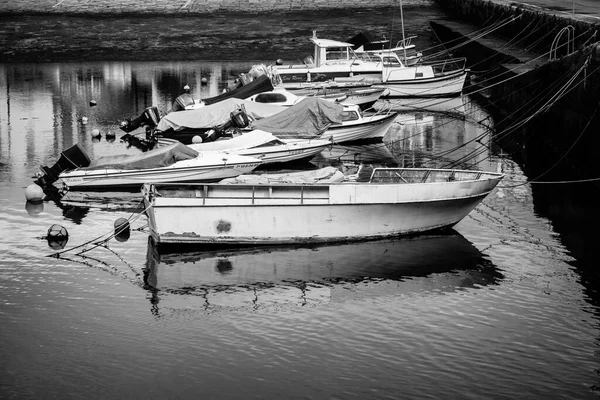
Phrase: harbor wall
{"type": "Point", "coordinates": [546, 112]}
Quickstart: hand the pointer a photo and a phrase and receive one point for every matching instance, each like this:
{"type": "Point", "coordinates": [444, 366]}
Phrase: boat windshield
{"type": "Point", "coordinates": [347, 53]}
{"type": "Point", "coordinates": [271, 143]}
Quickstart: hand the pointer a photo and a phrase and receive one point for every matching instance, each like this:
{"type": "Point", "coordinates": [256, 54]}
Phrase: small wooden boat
{"type": "Point", "coordinates": [280, 209]}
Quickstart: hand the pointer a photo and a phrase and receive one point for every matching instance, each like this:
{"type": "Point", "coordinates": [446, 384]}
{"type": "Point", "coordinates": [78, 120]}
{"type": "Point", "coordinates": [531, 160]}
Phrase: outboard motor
{"type": "Point", "coordinates": [73, 157]}
{"type": "Point", "coordinates": [183, 100]}
{"type": "Point", "coordinates": [149, 117]}
{"type": "Point", "coordinates": [239, 118]}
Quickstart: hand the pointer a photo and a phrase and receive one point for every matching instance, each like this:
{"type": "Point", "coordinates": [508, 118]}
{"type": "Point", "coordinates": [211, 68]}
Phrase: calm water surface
{"type": "Point", "coordinates": [495, 309]}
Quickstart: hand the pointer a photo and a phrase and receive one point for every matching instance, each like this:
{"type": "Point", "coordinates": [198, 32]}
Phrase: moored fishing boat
{"type": "Point", "coordinates": [337, 61]}
{"type": "Point", "coordinates": [327, 208]}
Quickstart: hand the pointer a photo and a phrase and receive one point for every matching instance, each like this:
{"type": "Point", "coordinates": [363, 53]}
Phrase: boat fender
{"type": "Point", "coordinates": [122, 229]}
{"type": "Point", "coordinates": [34, 193]}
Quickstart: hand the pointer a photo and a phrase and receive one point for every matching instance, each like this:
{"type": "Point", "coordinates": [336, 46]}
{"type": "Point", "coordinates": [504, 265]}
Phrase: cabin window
{"type": "Point", "coordinates": [391, 62]}
{"type": "Point", "coordinates": [270, 98]}
{"type": "Point", "coordinates": [336, 54]}
{"type": "Point", "coordinates": [349, 116]}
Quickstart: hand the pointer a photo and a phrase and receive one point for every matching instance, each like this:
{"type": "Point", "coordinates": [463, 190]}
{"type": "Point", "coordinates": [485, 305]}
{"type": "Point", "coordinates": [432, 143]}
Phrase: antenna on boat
{"type": "Point", "coordinates": [403, 39]}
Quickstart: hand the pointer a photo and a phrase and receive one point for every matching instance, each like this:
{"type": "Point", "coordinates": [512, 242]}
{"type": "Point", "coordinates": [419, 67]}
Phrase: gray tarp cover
{"type": "Point", "coordinates": [212, 115]}
{"type": "Point", "coordinates": [304, 120]}
{"type": "Point", "coordinates": [155, 158]}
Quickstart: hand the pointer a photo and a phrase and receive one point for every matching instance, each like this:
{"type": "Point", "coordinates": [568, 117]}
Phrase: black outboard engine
{"type": "Point", "coordinates": [239, 118]}
{"type": "Point", "coordinates": [182, 101]}
{"type": "Point", "coordinates": [149, 117]}
{"type": "Point", "coordinates": [73, 157]}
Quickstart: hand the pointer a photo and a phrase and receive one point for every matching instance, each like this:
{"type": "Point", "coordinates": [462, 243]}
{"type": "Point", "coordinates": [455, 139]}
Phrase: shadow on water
{"type": "Point", "coordinates": [574, 216]}
{"type": "Point", "coordinates": [274, 275]}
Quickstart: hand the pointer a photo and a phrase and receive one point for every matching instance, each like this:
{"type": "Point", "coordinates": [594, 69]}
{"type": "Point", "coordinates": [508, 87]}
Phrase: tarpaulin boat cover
{"type": "Point", "coordinates": [259, 85]}
{"type": "Point", "coordinates": [155, 158]}
{"type": "Point", "coordinates": [305, 120]}
{"type": "Point", "coordinates": [213, 115]}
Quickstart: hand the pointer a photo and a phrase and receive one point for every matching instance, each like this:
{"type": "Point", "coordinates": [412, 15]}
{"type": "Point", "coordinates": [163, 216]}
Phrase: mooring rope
{"type": "Point", "coordinates": [104, 238]}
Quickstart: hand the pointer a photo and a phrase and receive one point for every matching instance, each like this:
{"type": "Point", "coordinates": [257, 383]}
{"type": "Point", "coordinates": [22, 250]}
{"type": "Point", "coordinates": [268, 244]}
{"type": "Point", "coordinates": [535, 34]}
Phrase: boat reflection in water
{"type": "Point", "coordinates": [263, 276]}
{"type": "Point", "coordinates": [373, 153]}
{"type": "Point", "coordinates": [76, 205]}
{"type": "Point", "coordinates": [446, 105]}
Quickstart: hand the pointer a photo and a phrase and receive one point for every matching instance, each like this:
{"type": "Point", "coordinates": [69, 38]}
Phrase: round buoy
{"type": "Point", "coordinates": [57, 237]}
{"type": "Point", "coordinates": [57, 232]}
{"type": "Point", "coordinates": [204, 81]}
{"type": "Point", "coordinates": [96, 133]}
{"type": "Point", "coordinates": [196, 139]}
{"type": "Point", "coordinates": [34, 208]}
{"type": "Point", "coordinates": [122, 230]}
{"type": "Point", "coordinates": [84, 120]}
{"type": "Point", "coordinates": [93, 103]}
{"type": "Point", "coordinates": [279, 61]}
{"type": "Point", "coordinates": [34, 193]}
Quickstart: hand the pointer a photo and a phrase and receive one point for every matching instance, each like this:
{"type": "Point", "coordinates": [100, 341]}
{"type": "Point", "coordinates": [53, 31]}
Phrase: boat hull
{"type": "Point", "coordinates": [285, 214]}
{"type": "Point", "coordinates": [110, 178]}
{"type": "Point", "coordinates": [440, 86]}
{"type": "Point", "coordinates": [292, 151]}
{"type": "Point", "coordinates": [372, 127]}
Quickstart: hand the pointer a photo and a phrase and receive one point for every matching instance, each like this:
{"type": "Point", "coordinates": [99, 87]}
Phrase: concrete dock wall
{"type": "Point", "coordinates": [534, 26]}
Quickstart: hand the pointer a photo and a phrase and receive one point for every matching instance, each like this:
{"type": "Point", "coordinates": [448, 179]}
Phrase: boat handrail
{"type": "Point", "coordinates": [404, 43]}
{"type": "Point", "coordinates": [451, 64]}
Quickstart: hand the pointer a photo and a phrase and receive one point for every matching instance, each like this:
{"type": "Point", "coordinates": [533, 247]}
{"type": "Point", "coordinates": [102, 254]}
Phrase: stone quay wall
{"type": "Point", "coordinates": [186, 6]}
{"type": "Point", "coordinates": [535, 26]}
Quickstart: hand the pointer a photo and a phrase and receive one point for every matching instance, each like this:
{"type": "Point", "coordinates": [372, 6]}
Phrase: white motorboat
{"type": "Point", "coordinates": [265, 146]}
{"type": "Point", "coordinates": [353, 125]}
{"type": "Point", "coordinates": [172, 163]}
{"type": "Point", "coordinates": [337, 61]}
{"type": "Point", "coordinates": [358, 93]}
{"type": "Point", "coordinates": [325, 207]}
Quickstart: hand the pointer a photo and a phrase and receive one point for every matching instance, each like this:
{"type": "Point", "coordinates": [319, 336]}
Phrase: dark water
{"type": "Point", "coordinates": [500, 308]}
